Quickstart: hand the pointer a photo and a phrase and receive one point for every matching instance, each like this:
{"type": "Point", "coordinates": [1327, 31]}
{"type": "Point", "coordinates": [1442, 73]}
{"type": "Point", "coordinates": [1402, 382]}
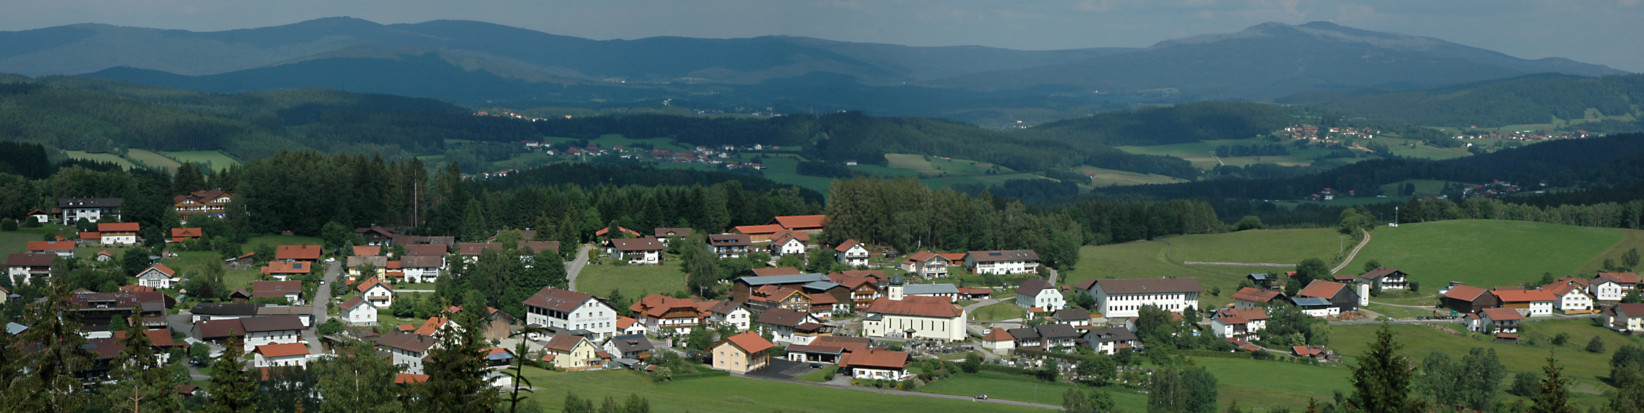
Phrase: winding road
{"type": "Point", "coordinates": [1355, 253]}
{"type": "Point", "coordinates": [574, 266]}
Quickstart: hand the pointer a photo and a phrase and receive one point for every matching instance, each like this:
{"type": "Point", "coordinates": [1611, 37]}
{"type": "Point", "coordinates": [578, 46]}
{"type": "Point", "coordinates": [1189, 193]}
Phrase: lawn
{"type": "Point", "coordinates": [1484, 252]}
{"type": "Point", "coordinates": [1632, 238]}
{"type": "Point", "coordinates": [189, 263]}
{"type": "Point", "coordinates": [1111, 177]}
{"type": "Point", "coordinates": [633, 280]}
{"type": "Point", "coordinates": [1027, 389]}
{"type": "Point", "coordinates": [278, 240]}
{"type": "Point", "coordinates": [1281, 246]}
{"type": "Point", "coordinates": [152, 159]}
{"type": "Point", "coordinates": [216, 160]}
{"type": "Point", "coordinates": [1403, 312]}
{"type": "Point", "coordinates": [12, 242]}
{"type": "Point", "coordinates": [1584, 369]}
{"type": "Point", "coordinates": [1147, 259]}
{"type": "Point", "coordinates": [237, 279]}
{"type": "Point", "coordinates": [731, 394]}
{"type": "Point", "coordinates": [1283, 384]}
{"type": "Point", "coordinates": [1003, 310]}
{"type": "Point", "coordinates": [820, 375]}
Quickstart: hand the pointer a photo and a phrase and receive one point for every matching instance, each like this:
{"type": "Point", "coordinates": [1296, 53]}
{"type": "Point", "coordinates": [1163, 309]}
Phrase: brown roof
{"type": "Point", "coordinates": [657, 305]}
{"type": "Point", "coordinates": [1464, 293]}
{"type": "Point", "coordinates": [406, 341]}
{"type": "Point", "coordinates": [1631, 309]}
{"type": "Point", "coordinates": [802, 222]}
{"type": "Point", "coordinates": [117, 227]}
{"type": "Point", "coordinates": [475, 248]}
{"type": "Point", "coordinates": [1032, 286]}
{"type": "Point", "coordinates": [1502, 314]}
{"type": "Point", "coordinates": [1241, 315]}
{"type": "Point", "coordinates": [1149, 285]}
{"type": "Point", "coordinates": [921, 256]}
{"type": "Point", "coordinates": [664, 232]}
{"type": "Point", "coordinates": [563, 342]}
{"type": "Point", "coordinates": [1523, 296]}
{"type": "Point", "coordinates": [748, 342]}
{"type": "Point", "coordinates": [782, 317]}
{"type": "Point", "coordinates": [372, 282]}
{"type": "Point", "coordinates": [275, 288]}
{"type": "Point", "coordinates": [1559, 289]}
{"type": "Point", "coordinates": [954, 257]}
{"type": "Point", "coordinates": [875, 358]}
{"type": "Point", "coordinates": [1379, 272]}
{"type": "Point", "coordinates": [1620, 277]}
{"type": "Point", "coordinates": [288, 267]}
{"type": "Point", "coordinates": [426, 249]}
{"type": "Point", "coordinates": [162, 268]}
{"type": "Point", "coordinates": [538, 246]}
{"type": "Point", "coordinates": [367, 250]}
{"type": "Point", "coordinates": [791, 235]}
{"type": "Point", "coordinates": [431, 326]}
{"type": "Point", "coordinates": [1321, 289]}
{"type": "Point", "coordinates": [408, 378]}
{"type": "Point", "coordinates": [1003, 255]}
{"type": "Point", "coordinates": [921, 306]}
{"type": "Point", "coordinates": [297, 252]}
{"type": "Point", "coordinates": [637, 244]}
{"type": "Point", "coordinates": [846, 246]}
{"type": "Point", "coordinates": [272, 323]}
{"type": "Point", "coordinates": [187, 232]}
{"type": "Point", "coordinates": [558, 300]}
{"type": "Point", "coordinates": [51, 246]}
{"type": "Point", "coordinates": [352, 302]}
{"type": "Point", "coordinates": [765, 272]}
{"type": "Point", "coordinates": [282, 350]}
{"type": "Point", "coordinates": [1256, 295]}
{"type": "Point", "coordinates": [998, 334]}
{"type": "Point", "coordinates": [758, 229]}
{"type": "Point", "coordinates": [422, 261]}
{"type": "Point", "coordinates": [210, 329]}
{"type": "Point", "coordinates": [728, 239]}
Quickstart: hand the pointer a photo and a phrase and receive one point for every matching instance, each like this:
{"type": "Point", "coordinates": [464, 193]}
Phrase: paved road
{"type": "Point", "coordinates": [1350, 255]}
{"type": "Point", "coordinates": [322, 298]}
{"type": "Point", "coordinates": [980, 404]}
{"type": "Point", "coordinates": [1456, 320]}
{"type": "Point", "coordinates": [574, 266]}
{"type": "Point", "coordinates": [980, 327]}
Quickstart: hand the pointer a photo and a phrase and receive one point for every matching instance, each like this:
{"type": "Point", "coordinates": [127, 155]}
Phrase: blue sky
{"type": "Point", "coordinates": [1596, 31]}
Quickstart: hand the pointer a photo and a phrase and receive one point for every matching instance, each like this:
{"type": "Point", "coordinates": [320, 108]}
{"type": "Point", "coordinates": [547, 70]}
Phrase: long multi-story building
{"type": "Point", "coordinates": [570, 310]}
{"type": "Point", "coordinates": [1126, 296]}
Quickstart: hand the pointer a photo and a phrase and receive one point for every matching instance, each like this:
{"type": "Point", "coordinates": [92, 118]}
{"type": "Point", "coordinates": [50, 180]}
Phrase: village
{"type": "Point", "coordinates": [867, 325]}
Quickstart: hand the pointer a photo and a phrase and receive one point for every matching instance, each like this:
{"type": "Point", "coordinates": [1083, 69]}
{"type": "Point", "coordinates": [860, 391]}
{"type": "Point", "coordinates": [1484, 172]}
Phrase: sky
{"type": "Point", "coordinates": [1594, 31]}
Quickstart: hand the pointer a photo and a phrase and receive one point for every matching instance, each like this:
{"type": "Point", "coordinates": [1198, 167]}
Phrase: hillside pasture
{"type": "Point", "coordinates": [1281, 246]}
{"type": "Point", "coordinates": [1282, 384]}
{"type": "Point", "coordinates": [1102, 177]}
{"type": "Point", "coordinates": [732, 394]}
{"type": "Point", "coordinates": [1006, 386]}
{"type": "Point", "coordinates": [152, 159]}
{"type": "Point", "coordinates": [1147, 259]}
{"type": "Point", "coordinates": [1484, 253]}
{"type": "Point", "coordinates": [101, 157]}
{"type": "Point", "coordinates": [216, 160]}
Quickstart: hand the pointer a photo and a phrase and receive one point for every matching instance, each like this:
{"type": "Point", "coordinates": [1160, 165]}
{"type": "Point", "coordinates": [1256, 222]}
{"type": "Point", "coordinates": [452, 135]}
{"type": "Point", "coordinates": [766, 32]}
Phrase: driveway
{"type": "Point", "coordinates": [574, 266]}
{"type": "Point", "coordinates": [322, 299]}
{"type": "Point", "coordinates": [782, 369]}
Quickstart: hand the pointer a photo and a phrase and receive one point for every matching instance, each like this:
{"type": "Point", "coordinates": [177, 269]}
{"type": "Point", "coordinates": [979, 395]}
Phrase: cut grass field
{"type": "Point", "coordinates": [12, 242]}
{"type": "Point", "coordinates": [1146, 259]}
{"type": "Point", "coordinates": [732, 394]}
{"type": "Point", "coordinates": [101, 157]}
{"type": "Point", "coordinates": [1101, 177]}
{"type": "Point", "coordinates": [1026, 389]}
{"type": "Point", "coordinates": [1282, 384]}
{"type": "Point", "coordinates": [1003, 310]}
{"type": "Point", "coordinates": [1631, 238]}
{"type": "Point", "coordinates": [633, 280]}
{"type": "Point", "coordinates": [1585, 370]}
{"type": "Point", "coordinates": [1484, 253]}
{"type": "Point", "coordinates": [1164, 257]}
{"type": "Point", "coordinates": [217, 160]}
{"type": "Point", "coordinates": [278, 240]}
{"type": "Point", "coordinates": [152, 159]}
{"type": "Point", "coordinates": [1281, 246]}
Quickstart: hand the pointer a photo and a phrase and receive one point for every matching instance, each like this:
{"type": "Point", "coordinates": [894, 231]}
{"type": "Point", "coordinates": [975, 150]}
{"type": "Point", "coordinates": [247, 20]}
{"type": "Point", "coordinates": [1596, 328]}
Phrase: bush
{"type": "Point", "coordinates": [1561, 338]}
{"type": "Point", "coordinates": [1524, 384]}
{"type": "Point", "coordinates": [8, 225]}
{"type": "Point", "coordinates": [1595, 345]}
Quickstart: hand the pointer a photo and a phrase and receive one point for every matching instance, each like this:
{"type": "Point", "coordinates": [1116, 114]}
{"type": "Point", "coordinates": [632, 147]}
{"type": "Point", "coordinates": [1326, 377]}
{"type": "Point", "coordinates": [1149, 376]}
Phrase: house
{"type": "Point", "coordinates": [1002, 262]}
{"type": "Point", "coordinates": [213, 203]}
{"type": "Point", "coordinates": [1239, 323]}
{"type": "Point", "coordinates": [271, 330]}
{"type": "Point", "coordinates": [1626, 317]}
{"type": "Point", "coordinates": [1494, 320]}
{"type": "Point", "coordinates": [282, 270]}
{"type": "Point", "coordinates": [366, 250]}
{"type": "Point", "coordinates": [225, 311]}
{"type": "Point", "coordinates": [1254, 297]}
{"type": "Point", "coordinates": [808, 224]}
{"type": "Point", "coordinates": [604, 233]}
{"type": "Point", "coordinates": [1389, 278]}
{"type": "Point", "coordinates": [291, 291]}
{"type": "Point", "coordinates": [773, 271]}
{"type": "Point", "coordinates": [851, 253]}
{"type": "Point", "coordinates": [422, 268]}
{"type": "Point", "coordinates": [104, 256]}
{"type": "Point", "coordinates": [998, 341]}
{"type": "Point", "coordinates": [376, 235]}
{"type": "Point", "coordinates": [356, 311]}
{"type": "Point", "coordinates": [118, 233]}
{"type": "Point", "coordinates": [358, 266]}
{"type": "Point", "coordinates": [863, 286]}
{"type": "Point", "coordinates": [741, 353]}
{"type": "Point", "coordinates": [914, 317]}
{"type": "Point", "coordinates": [97, 311]}
{"type": "Point", "coordinates": [186, 234]}
{"type": "Point", "coordinates": [788, 326]}
{"type": "Point", "coordinates": [1529, 303]}
{"type": "Point", "coordinates": [1313, 352]}
{"type": "Point", "coordinates": [728, 312]}
{"type": "Point", "coordinates": [729, 245]}
{"type": "Point", "coordinates": [89, 238]}
{"type": "Point", "coordinates": [826, 349]}
{"type": "Point", "coordinates": [572, 352]}
{"type": "Point", "coordinates": [1572, 297]}
{"type": "Point", "coordinates": [1262, 280]}
{"type": "Point", "coordinates": [470, 251]}
{"type": "Point", "coordinates": [637, 250]}
{"type": "Point", "coordinates": [63, 249]}
{"type": "Point", "coordinates": [280, 355]}
{"type": "Point", "coordinates": [498, 325]}
{"type": "Point", "coordinates": [632, 346]}
{"type": "Point", "coordinates": [90, 209]}
{"type": "Point", "coordinates": [744, 289]}
{"type": "Point", "coordinates": [664, 234]}
{"type": "Point", "coordinates": [1611, 286]}
{"type": "Point", "coordinates": [23, 268]}
{"type": "Point", "coordinates": [375, 292]}
{"type": "Point", "coordinates": [293, 253]}
{"type": "Point", "coordinates": [1111, 340]}
{"type": "Point", "coordinates": [947, 291]}
{"type": "Point", "coordinates": [302, 312]}
{"type": "Point", "coordinates": [1057, 336]}
{"type": "Point", "coordinates": [157, 276]}
{"type": "Point", "coordinates": [1072, 316]}
{"type": "Point", "coordinates": [570, 310]}
{"type": "Point", "coordinates": [759, 233]}
{"type": "Point", "coordinates": [629, 326]}
{"type": "Point", "coordinates": [876, 364]}
{"type": "Point", "coordinates": [1317, 307]}
{"type": "Point", "coordinates": [39, 216]}
{"type": "Point", "coordinates": [926, 264]}
{"type": "Point", "coordinates": [1125, 297]}
{"type": "Point", "coordinates": [1343, 297]}
{"type": "Point", "coordinates": [1468, 299]}
{"type": "Point", "coordinates": [1038, 294]}
{"type": "Point", "coordinates": [406, 349]}
{"type": "Point", "coordinates": [789, 243]}
{"type": "Point", "coordinates": [663, 313]}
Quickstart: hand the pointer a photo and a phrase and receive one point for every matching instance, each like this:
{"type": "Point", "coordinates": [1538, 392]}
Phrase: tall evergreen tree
{"type": "Point", "coordinates": [1381, 380]}
{"type": "Point", "coordinates": [141, 382]}
{"type": "Point", "coordinates": [232, 389]}
{"type": "Point", "coordinates": [62, 353]}
{"type": "Point", "coordinates": [1551, 396]}
{"type": "Point", "coordinates": [456, 370]}
{"type": "Point", "coordinates": [358, 380]}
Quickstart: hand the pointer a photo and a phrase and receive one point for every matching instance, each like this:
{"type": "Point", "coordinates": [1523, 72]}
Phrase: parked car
{"type": "Point", "coordinates": [982, 397]}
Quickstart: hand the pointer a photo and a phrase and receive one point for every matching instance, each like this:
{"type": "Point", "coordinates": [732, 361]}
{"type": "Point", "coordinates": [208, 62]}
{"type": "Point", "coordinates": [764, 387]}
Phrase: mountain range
{"type": "Point", "coordinates": [483, 64]}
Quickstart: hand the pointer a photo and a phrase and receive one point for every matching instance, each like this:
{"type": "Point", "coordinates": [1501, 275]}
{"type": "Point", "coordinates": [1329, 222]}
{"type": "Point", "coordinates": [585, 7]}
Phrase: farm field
{"type": "Point", "coordinates": [1281, 246]}
{"type": "Point", "coordinates": [633, 280]}
{"type": "Point", "coordinates": [101, 157]}
{"type": "Point", "coordinates": [152, 159]}
{"type": "Point", "coordinates": [1632, 238]}
{"type": "Point", "coordinates": [278, 240]}
{"type": "Point", "coordinates": [1423, 186]}
{"type": "Point", "coordinates": [1283, 384]}
{"type": "Point", "coordinates": [1006, 386]}
{"type": "Point", "coordinates": [1147, 259]}
{"type": "Point", "coordinates": [731, 394]}
{"type": "Point", "coordinates": [1583, 369]}
{"type": "Point", "coordinates": [1003, 310]}
{"type": "Point", "coordinates": [1202, 154]}
{"type": "Point", "coordinates": [1485, 252]}
{"type": "Point", "coordinates": [1101, 177]}
{"type": "Point", "coordinates": [216, 160]}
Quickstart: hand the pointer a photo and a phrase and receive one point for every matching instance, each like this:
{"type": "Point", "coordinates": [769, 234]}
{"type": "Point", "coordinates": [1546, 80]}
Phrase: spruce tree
{"type": "Point", "coordinates": [358, 380]}
{"type": "Point", "coordinates": [232, 389]}
{"type": "Point", "coordinates": [1381, 381]}
{"type": "Point", "coordinates": [456, 370]}
{"type": "Point", "coordinates": [62, 353]}
{"type": "Point", "coordinates": [140, 381]}
{"type": "Point", "coordinates": [1551, 397]}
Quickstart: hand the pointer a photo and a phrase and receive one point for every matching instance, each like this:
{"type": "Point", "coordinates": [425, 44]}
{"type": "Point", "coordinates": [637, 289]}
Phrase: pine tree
{"type": "Point", "coordinates": [358, 380]}
{"type": "Point", "coordinates": [141, 382]}
{"type": "Point", "coordinates": [1551, 397]}
{"type": "Point", "coordinates": [232, 389]}
{"type": "Point", "coordinates": [456, 370]}
{"type": "Point", "coordinates": [62, 352]}
{"type": "Point", "coordinates": [1381, 381]}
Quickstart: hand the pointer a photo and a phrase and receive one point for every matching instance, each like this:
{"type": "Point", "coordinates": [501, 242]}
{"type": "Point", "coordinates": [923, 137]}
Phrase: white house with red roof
{"type": "Point", "coordinates": [63, 249]}
{"type": "Point", "coordinates": [118, 233]}
{"type": "Point", "coordinates": [647, 251]}
{"type": "Point", "coordinates": [789, 243]}
{"type": "Point", "coordinates": [157, 276]}
{"type": "Point", "coordinates": [1003, 262]}
{"type": "Point", "coordinates": [1239, 323]}
{"type": "Point", "coordinates": [1530, 303]}
{"type": "Point", "coordinates": [1611, 286]}
{"type": "Point", "coordinates": [1494, 320]}
{"type": "Point", "coordinates": [1572, 297]}
{"type": "Point", "coordinates": [376, 293]}
{"type": "Point", "coordinates": [876, 364]}
{"type": "Point", "coordinates": [927, 264]}
{"type": "Point", "coordinates": [851, 253]}
{"type": "Point", "coordinates": [280, 355]}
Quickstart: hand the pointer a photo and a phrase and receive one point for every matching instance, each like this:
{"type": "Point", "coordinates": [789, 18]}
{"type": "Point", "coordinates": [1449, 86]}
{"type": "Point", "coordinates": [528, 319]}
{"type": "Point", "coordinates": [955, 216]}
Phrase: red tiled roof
{"type": "Point", "coordinates": [367, 250]}
{"type": "Point", "coordinates": [117, 227]}
{"type": "Point", "coordinates": [1559, 289]}
{"type": "Point", "coordinates": [351, 303]}
{"type": "Point", "coordinates": [846, 246]}
{"type": "Point", "coordinates": [408, 378]}
{"type": "Point", "coordinates": [1523, 296]}
{"type": "Point", "coordinates": [432, 325]}
{"type": "Point", "coordinates": [51, 246]}
{"type": "Point", "coordinates": [1620, 277]}
{"type": "Point", "coordinates": [954, 257]}
{"type": "Point", "coordinates": [998, 334]}
{"type": "Point", "coordinates": [163, 269]}
{"type": "Point", "coordinates": [875, 358]}
{"type": "Point", "coordinates": [90, 235]}
{"type": "Point", "coordinates": [1464, 293]}
{"type": "Point", "coordinates": [371, 282]}
{"type": "Point", "coordinates": [758, 229]}
{"type": "Point", "coordinates": [287, 267]}
{"type": "Point", "coordinates": [624, 321]}
{"type": "Point", "coordinates": [749, 342]}
{"type": "Point", "coordinates": [1256, 295]}
{"type": "Point", "coordinates": [602, 231]}
{"type": "Point", "coordinates": [187, 232]}
{"type": "Point", "coordinates": [921, 306]}
{"type": "Point", "coordinates": [1321, 289]}
{"type": "Point", "coordinates": [281, 350]}
{"type": "Point", "coordinates": [1502, 314]}
{"type": "Point", "coordinates": [1241, 315]}
{"type": "Point", "coordinates": [657, 305]}
{"type": "Point", "coordinates": [802, 222]}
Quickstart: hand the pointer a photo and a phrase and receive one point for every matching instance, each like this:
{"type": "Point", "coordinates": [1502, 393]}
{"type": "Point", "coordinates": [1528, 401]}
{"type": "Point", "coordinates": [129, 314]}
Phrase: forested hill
{"type": "Point", "coordinates": [1523, 100]}
{"type": "Point", "coordinates": [1611, 160]}
{"type": "Point", "coordinates": [1187, 122]}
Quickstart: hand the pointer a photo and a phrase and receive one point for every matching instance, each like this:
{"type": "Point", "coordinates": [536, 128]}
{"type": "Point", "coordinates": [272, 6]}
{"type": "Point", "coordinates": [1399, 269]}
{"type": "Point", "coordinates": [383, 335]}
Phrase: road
{"type": "Point", "coordinates": [322, 299]}
{"type": "Point", "coordinates": [980, 327]}
{"type": "Point", "coordinates": [1350, 255]}
{"type": "Point", "coordinates": [574, 266]}
{"type": "Point", "coordinates": [1048, 394]}
{"type": "Point", "coordinates": [1455, 320]}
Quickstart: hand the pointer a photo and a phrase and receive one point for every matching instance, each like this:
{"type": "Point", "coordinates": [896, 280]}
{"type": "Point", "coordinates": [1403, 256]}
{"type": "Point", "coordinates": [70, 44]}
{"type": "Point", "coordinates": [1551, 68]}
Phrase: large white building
{"type": "Point", "coordinates": [904, 316]}
{"type": "Point", "coordinates": [279, 329]}
{"type": "Point", "coordinates": [89, 209]}
{"type": "Point", "coordinates": [570, 310]}
{"type": "Point", "coordinates": [1036, 293]}
{"type": "Point", "coordinates": [1611, 286]}
{"type": "Point", "coordinates": [1002, 262]}
{"type": "Point", "coordinates": [1125, 297]}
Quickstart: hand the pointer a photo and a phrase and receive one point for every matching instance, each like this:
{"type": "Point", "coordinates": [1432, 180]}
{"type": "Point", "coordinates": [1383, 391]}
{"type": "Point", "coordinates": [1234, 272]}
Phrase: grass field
{"type": "Point", "coordinates": [191, 262]}
{"type": "Point", "coordinates": [101, 157]}
{"type": "Point", "coordinates": [278, 240]}
{"type": "Point", "coordinates": [1631, 238]}
{"type": "Point", "coordinates": [1101, 177]}
{"type": "Point", "coordinates": [633, 280]}
{"type": "Point", "coordinates": [217, 160]}
{"type": "Point", "coordinates": [1201, 154]}
{"type": "Point", "coordinates": [1484, 252]}
{"type": "Point", "coordinates": [12, 242]}
{"type": "Point", "coordinates": [731, 394]}
{"type": "Point", "coordinates": [1282, 384]}
{"type": "Point", "coordinates": [1146, 259]}
{"type": "Point", "coordinates": [1281, 246]}
{"type": "Point", "coordinates": [1021, 388]}
{"type": "Point", "coordinates": [1003, 310]}
{"type": "Point", "coordinates": [1585, 370]}
{"type": "Point", "coordinates": [152, 159]}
